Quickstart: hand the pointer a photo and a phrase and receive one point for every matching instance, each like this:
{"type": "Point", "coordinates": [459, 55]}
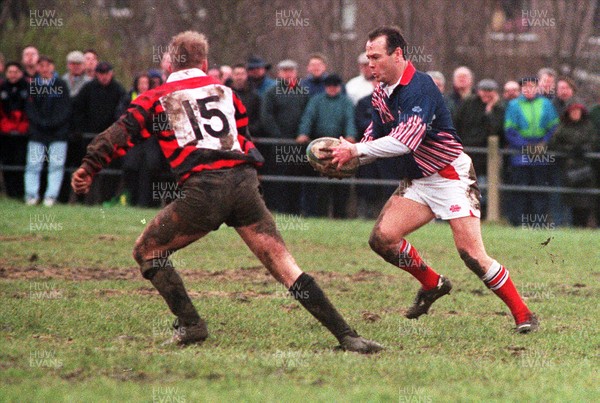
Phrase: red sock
{"type": "Point", "coordinates": [498, 280]}
{"type": "Point", "coordinates": [410, 261]}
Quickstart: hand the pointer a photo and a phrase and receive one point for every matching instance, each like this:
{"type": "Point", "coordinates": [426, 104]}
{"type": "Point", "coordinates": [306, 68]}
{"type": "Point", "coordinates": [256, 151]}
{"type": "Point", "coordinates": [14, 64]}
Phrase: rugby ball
{"type": "Point", "coordinates": [319, 157]}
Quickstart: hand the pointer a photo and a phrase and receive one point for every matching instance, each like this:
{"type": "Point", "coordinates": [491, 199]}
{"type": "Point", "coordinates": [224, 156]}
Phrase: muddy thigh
{"type": "Point", "coordinates": [169, 231]}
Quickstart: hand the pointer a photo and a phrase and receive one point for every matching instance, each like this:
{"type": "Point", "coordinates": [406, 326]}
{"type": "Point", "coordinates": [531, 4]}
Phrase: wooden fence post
{"type": "Point", "coordinates": [494, 172]}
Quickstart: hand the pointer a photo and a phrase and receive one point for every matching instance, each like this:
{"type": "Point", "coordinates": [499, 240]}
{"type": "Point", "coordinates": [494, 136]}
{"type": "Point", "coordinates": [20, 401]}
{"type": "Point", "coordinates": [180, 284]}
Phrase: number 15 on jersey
{"type": "Point", "coordinates": [203, 116]}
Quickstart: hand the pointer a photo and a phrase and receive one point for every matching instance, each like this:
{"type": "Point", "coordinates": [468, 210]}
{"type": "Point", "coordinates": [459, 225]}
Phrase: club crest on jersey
{"type": "Point", "coordinates": [417, 109]}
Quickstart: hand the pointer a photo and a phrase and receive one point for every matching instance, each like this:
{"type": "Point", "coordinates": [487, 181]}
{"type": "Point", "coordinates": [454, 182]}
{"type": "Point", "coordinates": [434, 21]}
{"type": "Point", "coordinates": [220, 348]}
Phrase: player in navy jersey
{"type": "Point", "coordinates": [411, 122]}
{"type": "Point", "coordinates": [201, 128]}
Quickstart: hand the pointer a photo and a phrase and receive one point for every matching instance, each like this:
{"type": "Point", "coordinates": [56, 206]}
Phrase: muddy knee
{"type": "Point", "coordinates": [138, 253]}
{"type": "Point", "coordinates": [150, 267]}
{"type": "Point", "coordinates": [383, 246]}
{"type": "Point", "coordinates": [376, 241]}
{"type": "Point", "coordinates": [471, 262]}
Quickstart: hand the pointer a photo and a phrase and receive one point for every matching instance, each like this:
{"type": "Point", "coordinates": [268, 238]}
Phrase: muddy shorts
{"type": "Point", "coordinates": [450, 193]}
{"type": "Point", "coordinates": [211, 198]}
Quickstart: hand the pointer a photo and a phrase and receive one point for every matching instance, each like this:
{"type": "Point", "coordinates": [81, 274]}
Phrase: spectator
{"type": "Point", "coordinates": [29, 61]}
{"type": "Point", "coordinates": [257, 75]}
{"type": "Point", "coordinates": [281, 110]}
{"type": "Point", "coordinates": [317, 71]}
{"type": "Point", "coordinates": [13, 95]}
{"type": "Point", "coordinates": [215, 73]}
{"type": "Point", "coordinates": [48, 109]}
{"type": "Point", "coordinates": [361, 85]}
{"type": "Point", "coordinates": [329, 114]}
{"type": "Point", "coordinates": [95, 108]}
{"type": "Point", "coordinates": [530, 122]}
{"type": "Point", "coordinates": [141, 83]}
{"type": "Point", "coordinates": [13, 126]}
{"type": "Point", "coordinates": [249, 97]}
{"type": "Point", "coordinates": [462, 82]}
{"type": "Point", "coordinates": [225, 72]}
{"type": "Point", "coordinates": [144, 163]}
{"type": "Point", "coordinates": [90, 62]}
{"type": "Point", "coordinates": [547, 81]}
{"type": "Point", "coordinates": [565, 94]}
{"type": "Point", "coordinates": [155, 78]}
{"type": "Point", "coordinates": [440, 82]}
{"type": "Point", "coordinates": [75, 77]}
{"type": "Point", "coordinates": [479, 117]}
{"type": "Point", "coordinates": [575, 136]}
{"type": "Point", "coordinates": [512, 90]}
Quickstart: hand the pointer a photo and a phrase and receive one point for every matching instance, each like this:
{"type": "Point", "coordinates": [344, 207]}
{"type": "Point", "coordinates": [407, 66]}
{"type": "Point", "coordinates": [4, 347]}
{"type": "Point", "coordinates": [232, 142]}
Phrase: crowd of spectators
{"type": "Point", "coordinates": [44, 119]}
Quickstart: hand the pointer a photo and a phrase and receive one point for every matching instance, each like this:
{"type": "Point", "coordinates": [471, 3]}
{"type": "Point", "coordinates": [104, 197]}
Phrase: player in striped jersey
{"type": "Point", "coordinates": [201, 127]}
{"type": "Point", "coordinates": [411, 123]}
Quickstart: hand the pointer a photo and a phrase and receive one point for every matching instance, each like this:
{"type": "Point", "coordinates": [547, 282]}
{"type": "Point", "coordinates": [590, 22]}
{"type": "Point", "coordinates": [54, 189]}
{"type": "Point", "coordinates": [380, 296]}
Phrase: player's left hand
{"type": "Point", "coordinates": [81, 181]}
{"type": "Point", "coordinates": [343, 153]}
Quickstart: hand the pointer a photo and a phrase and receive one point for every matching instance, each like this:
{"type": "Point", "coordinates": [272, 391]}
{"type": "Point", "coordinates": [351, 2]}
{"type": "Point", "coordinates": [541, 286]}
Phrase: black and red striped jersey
{"type": "Point", "coordinates": [200, 125]}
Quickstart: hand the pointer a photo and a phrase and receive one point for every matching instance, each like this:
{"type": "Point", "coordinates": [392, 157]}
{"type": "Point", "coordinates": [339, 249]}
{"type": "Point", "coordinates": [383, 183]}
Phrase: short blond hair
{"type": "Point", "coordinates": [188, 49]}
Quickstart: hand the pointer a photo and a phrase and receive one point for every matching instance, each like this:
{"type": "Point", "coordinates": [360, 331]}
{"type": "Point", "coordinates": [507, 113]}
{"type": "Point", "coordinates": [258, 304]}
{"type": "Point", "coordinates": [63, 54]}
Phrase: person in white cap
{"type": "Point", "coordinates": [75, 77]}
{"type": "Point", "coordinates": [363, 84]}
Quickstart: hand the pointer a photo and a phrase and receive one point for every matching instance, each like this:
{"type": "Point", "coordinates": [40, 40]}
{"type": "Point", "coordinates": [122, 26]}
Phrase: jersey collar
{"type": "Point", "coordinates": [185, 74]}
{"type": "Point", "coordinates": [407, 75]}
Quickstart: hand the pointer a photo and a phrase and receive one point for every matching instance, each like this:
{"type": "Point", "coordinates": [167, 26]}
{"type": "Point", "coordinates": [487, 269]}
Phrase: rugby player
{"type": "Point", "coordinates": [208, 147]}
{"type": "Point", "coordinates": [411, 122]}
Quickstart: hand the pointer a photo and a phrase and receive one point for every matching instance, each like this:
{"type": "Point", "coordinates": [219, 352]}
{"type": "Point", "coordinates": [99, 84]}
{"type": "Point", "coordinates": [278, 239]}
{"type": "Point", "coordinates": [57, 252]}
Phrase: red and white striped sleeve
{"type": "Point", "coordinates": [411, 132]}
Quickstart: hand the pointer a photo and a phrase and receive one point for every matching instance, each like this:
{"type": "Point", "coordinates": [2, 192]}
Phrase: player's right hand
{"type": "Point", "coordinates": [81, 181]}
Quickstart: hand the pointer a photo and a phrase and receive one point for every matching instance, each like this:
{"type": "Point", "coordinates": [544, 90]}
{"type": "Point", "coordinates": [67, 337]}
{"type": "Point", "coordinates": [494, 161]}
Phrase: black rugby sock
{"type": "Point", "coordinates": [306, 291]}
{"type": "Point", "coordinates": [170, 286]}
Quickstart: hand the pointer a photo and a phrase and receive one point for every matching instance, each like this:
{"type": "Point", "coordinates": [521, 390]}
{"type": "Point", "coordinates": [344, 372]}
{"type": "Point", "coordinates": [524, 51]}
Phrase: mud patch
{"type": "Point", "coordinates": [254, 274]}
{"type": "Point", "coordinates": [516, 350]}
{"type": "Point", "coordinates": [370, 316]}
{"type": "Point", "coordinates": [12, 238]}
{"type": "Point", "coordinates": [243, 297]}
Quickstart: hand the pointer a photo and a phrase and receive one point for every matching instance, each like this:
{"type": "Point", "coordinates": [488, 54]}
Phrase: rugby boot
{"type": "Point", "coordinates": [424, 298]}
{"type": "Point", "coordinates": [530, 325]}
{"type": "Point", "coordinates": [359, 344]}
{"type": "Point", "coordinates": [189, 334]}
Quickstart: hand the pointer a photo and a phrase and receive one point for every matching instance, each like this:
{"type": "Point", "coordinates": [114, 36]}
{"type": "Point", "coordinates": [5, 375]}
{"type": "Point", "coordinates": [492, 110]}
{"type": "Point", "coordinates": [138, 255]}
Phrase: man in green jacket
{"type": "Point", "coordinates": [328, 114]}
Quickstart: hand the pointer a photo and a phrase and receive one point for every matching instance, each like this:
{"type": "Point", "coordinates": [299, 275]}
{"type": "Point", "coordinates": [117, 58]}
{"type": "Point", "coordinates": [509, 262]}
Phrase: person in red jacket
{"type": "Point", "coordinates": [13, 126]}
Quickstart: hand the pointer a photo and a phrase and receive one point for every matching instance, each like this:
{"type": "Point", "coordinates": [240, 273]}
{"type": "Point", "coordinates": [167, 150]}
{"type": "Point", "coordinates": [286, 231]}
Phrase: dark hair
{"type": "Point", "coordinates": [239, 66]}
{"type": "Point", "coordinates": [393, 37]}
{"type": "Point", "coordinates": [155, 81]}
{"type": "Point", "coordinates": [569, 81]}
{"type": "Point", "coordinates": [16, 64]}
{"type": "Point", "coordinates": [90, 50]}
{"type": "Point", "coordinates": [44, 58]}
{"type": "Point", "coordinates": [136, 80]}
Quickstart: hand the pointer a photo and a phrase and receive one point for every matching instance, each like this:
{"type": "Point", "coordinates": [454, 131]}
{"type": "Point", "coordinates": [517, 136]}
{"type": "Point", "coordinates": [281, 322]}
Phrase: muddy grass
{"type": "Point", "coordinates": [248, 274]}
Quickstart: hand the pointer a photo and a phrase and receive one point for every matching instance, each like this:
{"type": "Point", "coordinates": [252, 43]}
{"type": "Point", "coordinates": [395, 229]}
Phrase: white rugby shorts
{"type": "Point", "coordinates": [449, 193]}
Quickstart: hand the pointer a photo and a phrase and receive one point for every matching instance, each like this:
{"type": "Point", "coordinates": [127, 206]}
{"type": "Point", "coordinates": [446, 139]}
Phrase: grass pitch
{"type": "Point", "coordinates": [78, 322]}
